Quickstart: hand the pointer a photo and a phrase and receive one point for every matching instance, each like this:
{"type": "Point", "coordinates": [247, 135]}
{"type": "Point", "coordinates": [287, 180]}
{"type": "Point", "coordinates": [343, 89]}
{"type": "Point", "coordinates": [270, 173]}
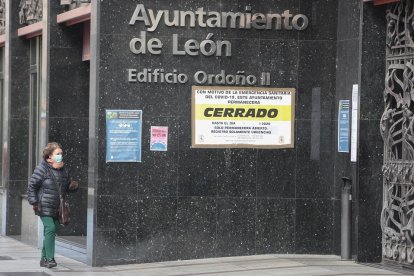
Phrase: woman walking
{"type": "Point", "coordinates": [44, 196]}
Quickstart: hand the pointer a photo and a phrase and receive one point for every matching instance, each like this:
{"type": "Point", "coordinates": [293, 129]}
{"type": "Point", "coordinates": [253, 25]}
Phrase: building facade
{"type": "Point", "coordinates": [66, 65]}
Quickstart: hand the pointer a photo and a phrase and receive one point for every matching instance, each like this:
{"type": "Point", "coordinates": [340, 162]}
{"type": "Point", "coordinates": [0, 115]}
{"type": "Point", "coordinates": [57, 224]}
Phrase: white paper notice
{"type": "Point", "coordinates": [354, 124]}
{"type": "Point", "coordinates": [243, 117]}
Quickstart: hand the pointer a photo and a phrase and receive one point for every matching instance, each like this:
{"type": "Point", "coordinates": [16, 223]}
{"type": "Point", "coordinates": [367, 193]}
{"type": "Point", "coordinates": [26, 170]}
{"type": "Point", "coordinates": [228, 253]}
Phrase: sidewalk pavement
{"type": "Point", "coordinates": [18, 259]}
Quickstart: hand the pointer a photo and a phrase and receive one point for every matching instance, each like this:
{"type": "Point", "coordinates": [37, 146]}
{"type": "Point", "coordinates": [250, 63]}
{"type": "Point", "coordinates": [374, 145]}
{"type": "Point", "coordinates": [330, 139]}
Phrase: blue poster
{"type": "Point", "coordinates": [123, 135]}
{"type": "Point", "coordinates": [343, 126]}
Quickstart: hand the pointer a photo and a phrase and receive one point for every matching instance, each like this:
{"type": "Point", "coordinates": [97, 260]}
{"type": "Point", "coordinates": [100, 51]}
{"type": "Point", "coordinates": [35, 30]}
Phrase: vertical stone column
{"type": "Point", "coordinates": [370, 147]}
{"type": "Point", "coordinates": [93, 131]}
{"type": "Point", "coordinates": [16, 119]}
{"type": "Point", "coordinates": [45, 72]}
{"type": "Point", "coordinates": [361, 60]}
{"type": "Point", "coordinates": [347, 74]}
{"type": "Point", "coordinates": [67, 91]}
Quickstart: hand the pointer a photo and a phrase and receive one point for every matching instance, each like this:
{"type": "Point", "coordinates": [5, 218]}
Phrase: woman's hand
{"type": "Point", "coordinates": [73, 185]}
{"type": "Point", "coordinates": [35, 208]}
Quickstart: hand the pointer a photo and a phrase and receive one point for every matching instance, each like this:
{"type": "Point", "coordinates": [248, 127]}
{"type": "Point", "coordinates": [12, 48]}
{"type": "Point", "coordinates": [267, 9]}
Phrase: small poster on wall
{"type": "Point", "coordinates": [343, 126]}
{"type": "Point", "coordinates": [242, 117]}
{"type": "Point", "coordinates": [159, 138]}
{"type": "Point", "coordinates": [123, 135]}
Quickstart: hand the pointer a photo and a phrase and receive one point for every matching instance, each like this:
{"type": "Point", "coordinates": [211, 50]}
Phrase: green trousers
{"type": "Point", "coordinates": [49, 233]}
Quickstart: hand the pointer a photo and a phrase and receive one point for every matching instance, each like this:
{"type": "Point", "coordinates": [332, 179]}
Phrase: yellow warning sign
{"type": "Point", "coordinates": [243, 117]}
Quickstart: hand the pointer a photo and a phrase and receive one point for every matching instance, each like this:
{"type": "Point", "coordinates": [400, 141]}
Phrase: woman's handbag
{"type": "Point", "coordinates": [64, 210]}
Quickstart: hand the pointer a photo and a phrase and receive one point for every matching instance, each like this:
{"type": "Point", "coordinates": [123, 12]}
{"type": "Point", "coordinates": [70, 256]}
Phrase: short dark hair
{"type": "Point", "coordinates": [50, 148]}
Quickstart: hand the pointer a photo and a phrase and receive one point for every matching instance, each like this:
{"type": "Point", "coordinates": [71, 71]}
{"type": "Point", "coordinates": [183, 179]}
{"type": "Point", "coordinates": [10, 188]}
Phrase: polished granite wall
{"type": "Point", "coordinates": [15, 149]}
{"type": "Point", "coordinates": [347, 74]}
{"type": "Point", "coordinates": [68, 78]}
{"type": "Point", "coordinates": [361, 60]}
{"type": "Point", "coordinates": [371, 145]}
{"type": "Point", "coordinates": [69, 110]}
{"type": "Point", "coordinates": [196, 203]}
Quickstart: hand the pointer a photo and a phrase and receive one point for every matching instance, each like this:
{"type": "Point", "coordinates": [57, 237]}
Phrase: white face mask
{"type": "Point", "coordinates": [58, 158]}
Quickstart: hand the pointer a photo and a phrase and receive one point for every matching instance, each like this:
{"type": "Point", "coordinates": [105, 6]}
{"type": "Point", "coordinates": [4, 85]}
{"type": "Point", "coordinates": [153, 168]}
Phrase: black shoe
{"type": "Point", "coordinates": [43, 262]}
{"type": "Point", "coordinates": [51, 263]}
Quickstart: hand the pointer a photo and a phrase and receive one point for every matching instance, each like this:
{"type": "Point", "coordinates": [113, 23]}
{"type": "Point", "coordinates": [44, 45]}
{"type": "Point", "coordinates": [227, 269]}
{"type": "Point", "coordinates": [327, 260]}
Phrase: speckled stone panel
{"type": "Point", "coordinates": [69, 111]}
{"type": "Point", "coordinates": [199, 203]}
{"type": "Point", "coordinates": [18, 111]}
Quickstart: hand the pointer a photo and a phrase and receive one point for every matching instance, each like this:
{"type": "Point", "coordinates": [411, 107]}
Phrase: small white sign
{"type": "Point", "coordinates": [354, 124]}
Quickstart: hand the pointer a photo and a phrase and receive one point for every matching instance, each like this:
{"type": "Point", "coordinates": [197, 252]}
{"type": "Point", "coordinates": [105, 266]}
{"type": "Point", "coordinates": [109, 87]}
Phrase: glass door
{"type": "Point", "coordinates": [34, 114]}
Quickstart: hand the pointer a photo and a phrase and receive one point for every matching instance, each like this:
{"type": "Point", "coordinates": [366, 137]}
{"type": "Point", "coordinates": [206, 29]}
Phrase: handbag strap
{"type": "Point", "coordinates": [56, 183]}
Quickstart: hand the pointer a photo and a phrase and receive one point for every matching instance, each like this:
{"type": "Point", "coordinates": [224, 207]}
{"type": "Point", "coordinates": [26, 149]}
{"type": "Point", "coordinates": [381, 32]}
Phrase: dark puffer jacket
{"type": "Point", "coordinates": [43, 190]}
